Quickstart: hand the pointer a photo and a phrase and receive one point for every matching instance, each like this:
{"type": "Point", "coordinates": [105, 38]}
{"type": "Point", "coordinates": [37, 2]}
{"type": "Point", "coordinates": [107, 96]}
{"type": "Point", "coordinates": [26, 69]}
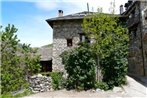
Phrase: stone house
{"type": "Point", "coordinates": [136, 20]}
{"type": "Point", "coordinates": [67, 33]}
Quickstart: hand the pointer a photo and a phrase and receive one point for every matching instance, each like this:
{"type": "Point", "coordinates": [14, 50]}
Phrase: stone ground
{"type": "Point", "coordinates": [133, 89]}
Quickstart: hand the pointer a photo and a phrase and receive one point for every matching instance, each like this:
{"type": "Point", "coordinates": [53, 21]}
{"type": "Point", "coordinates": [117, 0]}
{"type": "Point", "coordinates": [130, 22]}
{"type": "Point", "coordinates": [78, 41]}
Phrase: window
{"type": "Point", "coordinates": [145, 15]}
{"type": "Point", "coordinates": [133, 13]}
{"type": "Point", "coordinates": [69, 42]}
{"type": "Point", "coordinates": [83, 38]}
{"type": "Point", "coordinates": [134, 33]}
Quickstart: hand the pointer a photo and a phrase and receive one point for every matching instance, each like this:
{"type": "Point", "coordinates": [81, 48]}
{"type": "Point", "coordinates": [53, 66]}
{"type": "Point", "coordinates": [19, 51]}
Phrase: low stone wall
{"type": "Point", "coordinates": [39, 83]}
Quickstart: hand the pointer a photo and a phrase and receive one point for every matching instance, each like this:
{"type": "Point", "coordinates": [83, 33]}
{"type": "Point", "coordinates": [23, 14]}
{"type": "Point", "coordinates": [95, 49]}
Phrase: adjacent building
{"type": "Point", "coordinates": [136, 16]}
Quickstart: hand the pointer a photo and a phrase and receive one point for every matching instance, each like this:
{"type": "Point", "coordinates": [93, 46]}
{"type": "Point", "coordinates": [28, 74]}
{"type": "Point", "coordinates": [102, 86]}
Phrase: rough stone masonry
{"type": "Point", "coordinates": [39, 83]}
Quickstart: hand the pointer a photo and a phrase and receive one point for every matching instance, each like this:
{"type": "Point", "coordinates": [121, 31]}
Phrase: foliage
{"type": "Point", "coordinates": [9, 95]}
{"type": "Point", "coordinates": [45, 73]}
{"type": "Point", "coordinates": [26, 92]}
{"type": "Point", "coordinates": [80, 67]}
{"type": "Point", "coordinates": [57, 80]}
{"type": "Point", "coordinates": [114, 69]}
{"type": "Point", "coordinates": [29, 59]}
{"type": "Point", "coordinates": [16, 61]}
{"type": "Point", "coordinates": [49, 45]}
{"type": "Point", "coordinates": [101, 85]}
{"type": "Point", "coordinates": [110, 45]}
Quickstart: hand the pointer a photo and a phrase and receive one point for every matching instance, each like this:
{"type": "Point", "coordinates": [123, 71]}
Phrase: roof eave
{"type": "Point", "coordinates": [127, 11]}
{"type": "Point", "coordinates": [50, 22]}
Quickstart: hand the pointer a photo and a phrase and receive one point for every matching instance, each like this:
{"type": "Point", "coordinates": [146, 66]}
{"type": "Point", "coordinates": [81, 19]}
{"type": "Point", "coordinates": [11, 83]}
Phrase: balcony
{"type": "Point", "coordinates": [133, 21]}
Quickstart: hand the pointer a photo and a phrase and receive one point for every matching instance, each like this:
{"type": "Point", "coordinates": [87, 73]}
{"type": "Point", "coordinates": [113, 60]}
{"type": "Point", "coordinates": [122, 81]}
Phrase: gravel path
{"type": "Point", "coordinates": [133, 89]}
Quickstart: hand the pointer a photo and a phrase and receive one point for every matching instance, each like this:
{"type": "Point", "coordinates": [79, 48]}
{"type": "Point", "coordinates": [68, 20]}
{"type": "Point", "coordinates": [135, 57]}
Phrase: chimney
{"type": "Point", "coordinates": [60, 13]}
{"type": "Point", "coordinates": [126, 6]}
{"type": "Point", "coordinates": [121, 9]}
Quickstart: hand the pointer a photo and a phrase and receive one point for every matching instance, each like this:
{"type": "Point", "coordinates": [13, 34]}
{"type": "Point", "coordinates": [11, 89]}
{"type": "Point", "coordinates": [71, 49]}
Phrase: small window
{"type": "Point", "coordinates": [145, 15]}
{"type": "Point", "coordinates": [84, 38]}
{"type": "Point", "coordinates": [135, 34]}
{"type": "Point", "coordinates": [69, 42]}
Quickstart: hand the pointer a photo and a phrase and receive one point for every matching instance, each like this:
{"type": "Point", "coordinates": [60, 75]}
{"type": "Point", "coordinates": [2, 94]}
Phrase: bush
{"type": "Point", "coordinates": [45, 73]}
{"type": "Point", "coordinates": [114, 69]}
{"type": "Point", "coordinates": [9, 95]}
{"type": "Point", "coordinates": [80, 67]}
{"type": "Point", "coordinates": [101, 85]}
{"type": "Point", "coordinates": [57, 80]}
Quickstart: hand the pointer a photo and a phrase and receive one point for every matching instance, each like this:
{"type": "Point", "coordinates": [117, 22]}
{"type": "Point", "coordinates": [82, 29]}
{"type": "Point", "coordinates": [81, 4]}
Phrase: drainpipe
{"type": "Point", "coordinates": [141, 30]}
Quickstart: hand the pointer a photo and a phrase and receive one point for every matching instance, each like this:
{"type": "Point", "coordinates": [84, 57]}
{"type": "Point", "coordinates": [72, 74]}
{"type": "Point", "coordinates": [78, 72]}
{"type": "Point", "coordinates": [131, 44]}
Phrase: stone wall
{"type": "Point", "coordinates": [144, 5]}
{"type": "Point", "coordinates": [144, 36]}
{"type": "Point", "coordinates": [39, 83]}
{"type": "Point", "coordinates": [138, 45]}
{"type": "Point", "coordinates": [63, 30]}
{"type": "Point", "coordinates": [135, 53]}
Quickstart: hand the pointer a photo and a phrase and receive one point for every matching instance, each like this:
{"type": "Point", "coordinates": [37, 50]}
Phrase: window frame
{"type": "Point", "coordinates": [83, 38]}
{"type": "Point", "coordinates": [69, 42]}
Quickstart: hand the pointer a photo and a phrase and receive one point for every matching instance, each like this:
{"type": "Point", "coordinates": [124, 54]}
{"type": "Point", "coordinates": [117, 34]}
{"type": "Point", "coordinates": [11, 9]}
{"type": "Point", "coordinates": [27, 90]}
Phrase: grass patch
{"type": "Point", "coordinates": [9, 95]}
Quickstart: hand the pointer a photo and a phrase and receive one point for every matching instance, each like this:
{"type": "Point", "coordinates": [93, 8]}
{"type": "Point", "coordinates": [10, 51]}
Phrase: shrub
{"type": "Point", "coordinates": [57, 80]}
{"type": "Point", "coordinates": [80, 67]}
{"type": "Point", "coordinates": [45, 73]}
{"type": "Point", "coordinates": [101, 85]}
{"type": "Point", "coordinates": [9, 95]}
{"type": "Point", "coordinates": [114, 69]}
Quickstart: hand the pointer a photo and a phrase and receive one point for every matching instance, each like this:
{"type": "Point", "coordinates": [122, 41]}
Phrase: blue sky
{"type": "Point", "coordinates": [29, 16]}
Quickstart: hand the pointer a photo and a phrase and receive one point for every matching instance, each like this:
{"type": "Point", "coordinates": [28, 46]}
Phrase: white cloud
{"type": "Point", "coordinates": [46, 5]}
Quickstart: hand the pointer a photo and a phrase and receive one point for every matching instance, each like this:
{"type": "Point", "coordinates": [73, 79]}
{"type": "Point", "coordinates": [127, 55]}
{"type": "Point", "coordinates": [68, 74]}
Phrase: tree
{"type": "Point", "coordinates": [15, 61]}
{"type": "Point", "coordinates": [11, 73]}
{"type": "Point", "coordinates": [107, 34]}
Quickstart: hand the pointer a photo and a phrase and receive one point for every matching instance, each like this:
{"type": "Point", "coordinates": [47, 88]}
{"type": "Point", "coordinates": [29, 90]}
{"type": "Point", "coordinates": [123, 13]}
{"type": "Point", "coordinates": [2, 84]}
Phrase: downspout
{"type": "Point", "coordinates": [141, 30]}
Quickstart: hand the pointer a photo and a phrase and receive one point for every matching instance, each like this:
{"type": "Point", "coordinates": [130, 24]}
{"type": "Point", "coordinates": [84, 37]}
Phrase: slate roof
{"type": "Point", "coordinates": [130, 7]}
{"type": "Point", "coordinates": [46, 53]}
{"type": "Point", "coordinates": [75, 16]}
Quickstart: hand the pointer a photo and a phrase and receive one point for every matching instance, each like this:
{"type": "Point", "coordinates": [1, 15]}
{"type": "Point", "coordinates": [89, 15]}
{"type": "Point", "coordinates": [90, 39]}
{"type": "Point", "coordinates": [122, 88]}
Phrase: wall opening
{"type": "Point", "coordinates": [46, 66]}
{"type": "Point", "coordinates": [69, 42]}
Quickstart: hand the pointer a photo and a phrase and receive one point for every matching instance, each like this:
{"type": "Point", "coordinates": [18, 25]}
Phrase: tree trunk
{"type": "Point", "coordinates": [98, 70]}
